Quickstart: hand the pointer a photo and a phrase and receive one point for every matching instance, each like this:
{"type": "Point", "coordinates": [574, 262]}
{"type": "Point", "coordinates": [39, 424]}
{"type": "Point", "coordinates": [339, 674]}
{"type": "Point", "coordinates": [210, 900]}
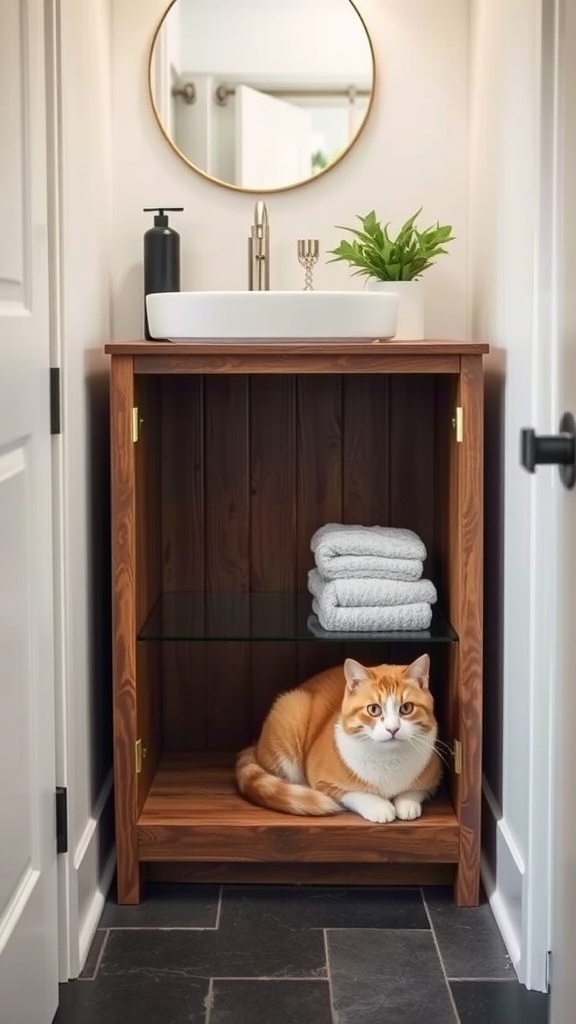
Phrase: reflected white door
{"type": "Point", "coordinates": [563, 983]}
{"type": "Point", "coordinates": [273, 140]}
{"type": "Point", "coordinates": [28, 916]}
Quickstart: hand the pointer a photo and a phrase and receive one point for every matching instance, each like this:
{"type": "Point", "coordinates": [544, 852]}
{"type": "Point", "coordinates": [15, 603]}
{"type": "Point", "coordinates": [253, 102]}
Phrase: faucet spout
{"type": "Point", "coordinates": [259, 250]}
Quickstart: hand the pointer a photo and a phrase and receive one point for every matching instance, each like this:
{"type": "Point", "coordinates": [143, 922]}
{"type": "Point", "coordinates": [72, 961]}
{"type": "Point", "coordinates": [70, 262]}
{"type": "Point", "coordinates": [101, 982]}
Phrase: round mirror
{"type": "Point", "coordinates": [261, 96]}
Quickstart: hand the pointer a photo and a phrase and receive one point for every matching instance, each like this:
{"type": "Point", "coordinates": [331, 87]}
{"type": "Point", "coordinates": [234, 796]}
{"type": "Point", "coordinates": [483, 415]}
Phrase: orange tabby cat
{"type": "Point", "coordinates": [356, 738]}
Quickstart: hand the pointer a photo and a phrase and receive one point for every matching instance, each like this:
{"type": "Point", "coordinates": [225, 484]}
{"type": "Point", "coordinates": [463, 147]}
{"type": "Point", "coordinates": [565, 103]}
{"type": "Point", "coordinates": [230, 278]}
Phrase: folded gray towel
{"type": "Point", "coordinates": [369, 593]}
{"type": "Point", "coordinates": [359, 552]}
{"type": "Point", "coordinates": [373, 620]}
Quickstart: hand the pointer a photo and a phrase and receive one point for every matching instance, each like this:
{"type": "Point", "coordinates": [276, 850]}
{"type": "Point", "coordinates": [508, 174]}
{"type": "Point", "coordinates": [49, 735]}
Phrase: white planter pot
{"type": "Point", "coordinates": [410, 307]}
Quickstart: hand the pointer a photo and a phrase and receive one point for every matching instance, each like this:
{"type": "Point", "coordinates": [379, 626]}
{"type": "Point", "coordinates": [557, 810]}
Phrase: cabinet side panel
{"type": "Point", "coordinates": [147, 462]}
{"type": "Point", "coordinates": [468, 616]}
{"type": "Point", "coordinates": [148, 574]}
{"type": "Point", "coordinates": [124, 625]}
{"type": "Point", "coordinates": [446, 560]}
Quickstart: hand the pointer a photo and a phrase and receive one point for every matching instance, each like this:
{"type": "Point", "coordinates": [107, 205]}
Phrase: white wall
{"type": "Point", "coordinates": [506, 242]}
{"type": "Point", "coordinates": [79, 125]}
{"type": "Point", "coordinates": [413, 152]}
{"type": "Point", "coordinates": [324, 39]}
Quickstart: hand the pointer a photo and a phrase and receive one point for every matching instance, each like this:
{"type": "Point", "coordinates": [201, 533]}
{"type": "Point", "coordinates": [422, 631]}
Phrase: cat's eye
{"type": "Point", "coordinates": [407, 708]}
{"type": "Point", "coordinates": [375, 710]}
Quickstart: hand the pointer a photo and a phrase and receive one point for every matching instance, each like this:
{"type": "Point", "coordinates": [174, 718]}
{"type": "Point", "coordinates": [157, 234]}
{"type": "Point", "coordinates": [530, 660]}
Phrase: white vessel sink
{"type": "Point", "coordinates": [189, 316]}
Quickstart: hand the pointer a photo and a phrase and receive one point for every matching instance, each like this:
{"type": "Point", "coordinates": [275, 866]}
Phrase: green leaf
{"type": "Point", "coordinates": [373, 252]}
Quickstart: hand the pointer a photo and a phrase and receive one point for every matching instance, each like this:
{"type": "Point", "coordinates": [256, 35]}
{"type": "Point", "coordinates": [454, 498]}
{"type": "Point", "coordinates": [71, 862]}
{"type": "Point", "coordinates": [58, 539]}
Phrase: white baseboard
{"type": "Point", "coordinates": [501, 915]}
{"type": "Point", "coordinates": [93, 822]}
{"type": "Point", "coordinates": [504, 881]}
{"type": "Point", "coordinates": [91, 869]}
{"type": "Point", "coordinates": [94, 911]}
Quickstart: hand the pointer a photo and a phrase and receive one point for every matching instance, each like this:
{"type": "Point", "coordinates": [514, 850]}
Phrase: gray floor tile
{"type": "Point", "coordinates": [204, 954]}
{"type": "Point", "coordinates": [469, 941]}
{"type": "Point", "coordinates": [136, 999]}
{"type": "Point", "coordinates": [166, 906]}
{"type": "Point", "coordinates": [499, 1002]}
{"type": "Point", "coordinates": [387, 977]}
{"type": "Point", "coordinates": [294, 907]}
{"type": "Point", "coordinates": [261, 1002]}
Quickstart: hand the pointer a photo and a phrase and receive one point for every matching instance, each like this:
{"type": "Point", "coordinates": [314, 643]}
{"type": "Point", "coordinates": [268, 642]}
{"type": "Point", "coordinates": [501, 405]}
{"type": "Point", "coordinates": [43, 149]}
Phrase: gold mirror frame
{"type": "Point", "coordinates": [262, 191]}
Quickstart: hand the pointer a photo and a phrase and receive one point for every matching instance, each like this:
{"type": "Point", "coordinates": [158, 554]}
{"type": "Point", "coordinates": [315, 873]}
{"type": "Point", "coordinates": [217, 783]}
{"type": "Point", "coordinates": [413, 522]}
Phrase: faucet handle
{"type": "Point", "coordinates": [308, 253]}
{"type": "Point", "coordinates": [260, 226]}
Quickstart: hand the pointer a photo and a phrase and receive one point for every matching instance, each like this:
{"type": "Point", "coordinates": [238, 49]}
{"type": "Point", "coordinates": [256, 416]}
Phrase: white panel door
{"type": "Point", "coordinates": [273, 140]}
{"type": "Point", "coordinates": [563, 835]}
{"type": "Point", "coordinates": [28, 916]}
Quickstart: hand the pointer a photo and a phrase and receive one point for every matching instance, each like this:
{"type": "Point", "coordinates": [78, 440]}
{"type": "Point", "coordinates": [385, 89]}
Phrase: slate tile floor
{"type": "Point", "coordinates": [297, 955]}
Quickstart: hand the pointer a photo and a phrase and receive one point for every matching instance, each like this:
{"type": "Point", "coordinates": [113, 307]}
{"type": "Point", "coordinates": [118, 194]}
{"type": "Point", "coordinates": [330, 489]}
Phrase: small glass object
{"type": "Point", "coordinates": [308, 252]}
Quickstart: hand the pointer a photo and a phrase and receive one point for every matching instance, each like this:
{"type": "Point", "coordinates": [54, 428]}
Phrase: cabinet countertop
{"type": "Point", "coordinates": [297, 346]}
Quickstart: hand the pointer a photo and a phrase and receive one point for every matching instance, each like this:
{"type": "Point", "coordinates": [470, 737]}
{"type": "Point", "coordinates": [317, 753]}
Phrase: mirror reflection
{"type": "Point", "coordinates": [261, 96]}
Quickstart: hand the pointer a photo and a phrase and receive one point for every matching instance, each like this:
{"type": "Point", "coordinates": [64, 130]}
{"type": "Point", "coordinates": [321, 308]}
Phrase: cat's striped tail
{"type": "Point", "coordinates": [261, 787]}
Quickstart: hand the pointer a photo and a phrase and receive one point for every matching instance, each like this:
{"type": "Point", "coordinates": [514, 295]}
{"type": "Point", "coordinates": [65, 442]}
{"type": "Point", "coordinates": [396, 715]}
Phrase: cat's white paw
{"type": "Point", "coordinates": [371, 807]}
{"type": "Point", "coordinates": [407, 808]}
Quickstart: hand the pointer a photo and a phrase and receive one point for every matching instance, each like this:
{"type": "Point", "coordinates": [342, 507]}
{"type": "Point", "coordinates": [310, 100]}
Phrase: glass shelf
{"type": "Point", "coordinates": [188, 615]}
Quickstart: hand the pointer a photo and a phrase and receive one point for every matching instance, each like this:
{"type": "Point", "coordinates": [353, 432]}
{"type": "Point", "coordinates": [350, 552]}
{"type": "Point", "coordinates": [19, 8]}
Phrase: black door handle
{"type": "Point", "coordinates": [552, 450]}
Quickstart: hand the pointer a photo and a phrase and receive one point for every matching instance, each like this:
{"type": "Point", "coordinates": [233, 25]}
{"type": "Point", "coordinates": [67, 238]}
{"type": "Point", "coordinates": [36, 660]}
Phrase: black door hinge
{"type": "Point", "coordinates": [61, 819]}
{"type": "Point", "coordinates": [55, 411]}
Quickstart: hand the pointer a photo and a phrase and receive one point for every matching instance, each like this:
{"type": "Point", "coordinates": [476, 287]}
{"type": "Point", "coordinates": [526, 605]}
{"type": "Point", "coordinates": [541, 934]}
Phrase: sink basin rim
{"type": "Point", "coordinates": [271, 315]}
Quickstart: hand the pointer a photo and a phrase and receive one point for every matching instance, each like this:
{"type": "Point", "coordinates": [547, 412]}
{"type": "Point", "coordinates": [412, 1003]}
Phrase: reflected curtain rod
{"type": "Point", "coordinates": [222, 93]}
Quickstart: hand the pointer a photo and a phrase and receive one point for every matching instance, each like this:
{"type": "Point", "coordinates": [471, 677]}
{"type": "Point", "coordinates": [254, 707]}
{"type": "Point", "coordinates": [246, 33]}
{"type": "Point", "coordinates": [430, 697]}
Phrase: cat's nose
{"type": "Point", "coordinates": [392, 731]}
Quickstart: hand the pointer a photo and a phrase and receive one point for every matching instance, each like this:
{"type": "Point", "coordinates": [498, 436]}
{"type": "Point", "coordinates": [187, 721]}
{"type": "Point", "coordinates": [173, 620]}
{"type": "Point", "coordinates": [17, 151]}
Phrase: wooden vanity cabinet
{"type": "Point", "coordinates": [225, 459]}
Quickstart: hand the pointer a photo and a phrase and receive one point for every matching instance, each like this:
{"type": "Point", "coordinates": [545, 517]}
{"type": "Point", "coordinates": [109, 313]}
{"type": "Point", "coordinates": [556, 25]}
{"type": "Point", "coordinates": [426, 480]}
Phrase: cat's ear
{"type": "Point", "coordinates": [355, 674]}
{"type": "Point", "coordinates": [419, 671]}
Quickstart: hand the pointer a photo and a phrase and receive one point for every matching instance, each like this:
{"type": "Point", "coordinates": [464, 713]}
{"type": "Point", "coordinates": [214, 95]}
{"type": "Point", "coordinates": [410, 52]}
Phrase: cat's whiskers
{"type": "Point", "coordinates": [421, 744]}
{"type": "Point", "coordinates": [447, 746]}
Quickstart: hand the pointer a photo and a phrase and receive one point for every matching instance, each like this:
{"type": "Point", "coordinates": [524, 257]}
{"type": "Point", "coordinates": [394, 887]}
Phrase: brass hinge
{"type": "Point", "coordinates": [458, 423]}
{"type": "Point", "coordinates": [136, 421]}
{"type": "Point", "coordinates": [140, 755]}
{"type": "Point", "coordinates": [457, 754]}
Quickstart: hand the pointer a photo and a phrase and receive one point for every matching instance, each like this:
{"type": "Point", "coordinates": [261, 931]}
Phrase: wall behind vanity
{"type": "Point", "coordinates": [413, 152]}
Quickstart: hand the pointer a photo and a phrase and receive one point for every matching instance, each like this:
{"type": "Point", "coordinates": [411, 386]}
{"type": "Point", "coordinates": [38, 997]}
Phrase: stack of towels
{"type": "Point", "coordinates": [369, 579]}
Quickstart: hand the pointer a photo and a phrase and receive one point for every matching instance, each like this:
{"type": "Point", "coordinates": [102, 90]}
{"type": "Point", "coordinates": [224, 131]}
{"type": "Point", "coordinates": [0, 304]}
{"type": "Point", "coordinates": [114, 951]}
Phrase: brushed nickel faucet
{"type": "Point", "coordinates": [259, 251]}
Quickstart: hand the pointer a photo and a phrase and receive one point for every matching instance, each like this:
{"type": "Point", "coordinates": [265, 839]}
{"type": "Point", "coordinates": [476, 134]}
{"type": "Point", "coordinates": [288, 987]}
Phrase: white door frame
{"type": "Point", "coordinates": [536, 932]}
{"type": "Point", "coordinates": [78, 48]}
{"type": "Point", "coordinates": [67, 911]}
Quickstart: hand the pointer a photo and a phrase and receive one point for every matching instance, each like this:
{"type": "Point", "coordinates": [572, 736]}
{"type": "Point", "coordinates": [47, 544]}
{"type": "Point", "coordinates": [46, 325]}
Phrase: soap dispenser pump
{"type": "Point", "coordinates": [161, 256]}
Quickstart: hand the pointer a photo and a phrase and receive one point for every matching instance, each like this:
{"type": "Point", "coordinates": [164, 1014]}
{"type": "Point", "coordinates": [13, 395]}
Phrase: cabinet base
{"type": "Point", "coordinates": [301, 874]}
{"type": "Point", "coordinates": [193, 812]}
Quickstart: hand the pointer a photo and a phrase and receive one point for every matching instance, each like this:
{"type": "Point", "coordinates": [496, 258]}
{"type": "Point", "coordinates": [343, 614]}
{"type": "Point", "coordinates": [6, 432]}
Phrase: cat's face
{"type": "Point", "coordinates": [390, 704]}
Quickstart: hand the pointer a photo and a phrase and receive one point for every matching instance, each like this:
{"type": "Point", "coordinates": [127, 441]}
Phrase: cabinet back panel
{"type": "Point", "coordinates": [251, 466]}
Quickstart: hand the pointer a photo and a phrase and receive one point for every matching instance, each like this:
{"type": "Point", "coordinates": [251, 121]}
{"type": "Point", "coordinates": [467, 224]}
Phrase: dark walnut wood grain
{"type": "Point", "coordinates": [298, 361]}
{"type": "Point", "coordinates": [273, 529]}
{"type": "Point", "coordinates": [193, 812]}
{"type": "Point", "coordinates": [227, 544]}
{"type": "Point", "coordinates": [148, 574]}
{"type": "Point", "coordinates": [182, 486]}
{"type": "Point", "coordinates": [469, 626]}
{"type": "Point", "coordinates": [124, 625]}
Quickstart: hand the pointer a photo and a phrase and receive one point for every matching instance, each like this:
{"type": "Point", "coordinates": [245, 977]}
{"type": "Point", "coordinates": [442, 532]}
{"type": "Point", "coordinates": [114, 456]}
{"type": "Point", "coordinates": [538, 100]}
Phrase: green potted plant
{"type": "Point", "coordinates": [395, 264]}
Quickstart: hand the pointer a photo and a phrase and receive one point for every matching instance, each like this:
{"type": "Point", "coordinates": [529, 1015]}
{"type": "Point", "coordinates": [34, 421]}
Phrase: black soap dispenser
{"type": "Point", "coordinates": [161, 256]}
